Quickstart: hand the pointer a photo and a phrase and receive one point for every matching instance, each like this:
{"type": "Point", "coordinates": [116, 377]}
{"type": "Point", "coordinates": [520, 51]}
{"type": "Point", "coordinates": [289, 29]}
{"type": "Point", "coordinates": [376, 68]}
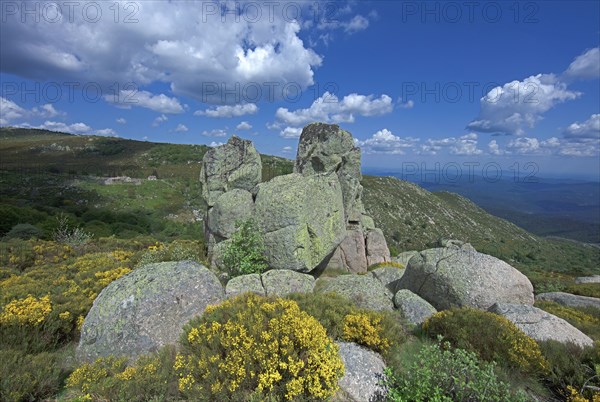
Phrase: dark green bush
{"type": "Point", "coordinates": [585, 289]}
{"type": "Point", "coordinates": [24, 231]}
{"type": "Point", "coordinates": [245, 254]}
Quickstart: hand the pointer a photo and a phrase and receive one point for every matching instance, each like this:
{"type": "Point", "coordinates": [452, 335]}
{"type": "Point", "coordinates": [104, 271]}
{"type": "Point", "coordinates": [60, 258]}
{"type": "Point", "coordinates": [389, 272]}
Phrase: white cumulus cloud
{"type": "Point", "coordinates": [181, 128]}
{"type": "Point", "coordinates": [159, 120]}
{"type": "Point", "coordinates": [214, 133]}
{"type": "Point", "coordinates": [244, 125]}
{"type": "Point", "coordinates": [158, 103]}
{"type": "Point", "coordinates": [229, 111]}
{"type": "Point", "coordinates": [588, 129]}
{"type": "Point", "coordinates": [385, 142]}
{"type": "Point", "coordinates": [586, 65]}
{"type": "Point", "coordinates": [291, 132]}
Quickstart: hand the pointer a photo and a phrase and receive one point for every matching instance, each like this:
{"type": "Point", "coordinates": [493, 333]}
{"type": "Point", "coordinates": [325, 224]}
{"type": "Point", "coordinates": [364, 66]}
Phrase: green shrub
{"type": "Point", "coordinates": [245, 254]}
{"type": "Point", "coordinates": [442, 374]}
{"type": "Point", "coordinates": [27, 377]}
{"type": "Point", "coordinates": [178, 250]}
{"type": "Point", "coordinates": [24, 231]}
{"type": "Point", "coordinates": [586, 319]}
{"type": "Point", "coordinates": [251, 346]}
{"type": "Point", "coordinates": [491, 336]}
{"type": "Point", "coordinates": [152, 377]}
{"type": "Point", "coordinates": [571, 366]}
{"type": "Point", "coordinates": [585, 289]}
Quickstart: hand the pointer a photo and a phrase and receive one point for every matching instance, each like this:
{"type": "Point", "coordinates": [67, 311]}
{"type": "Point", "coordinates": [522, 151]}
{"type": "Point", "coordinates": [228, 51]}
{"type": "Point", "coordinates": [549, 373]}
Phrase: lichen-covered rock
{"type": "Point", "coordinates": [389, 277]}
{"type": "Point", "coordinates": [351, 254]}
{"type": "Point", "coordinates": [457, 277]}
{"type": "Point", "coordinates": [540, 325]}
{"type": "Point", "coordinates": [233, 206]}
{"type": "Point", "coordinates": [404, 258]}
{"type": "Point", "coordinates": [302, 219]}
{"type": "Point", "coordinates": [364, 372]}
{"type": "Point", "coordinates": [325, 148]}
{"type": "Point", "coordinates": [146, 309]}
{"type": "Point", "coordinates": [243, 284]}
{"type": "Point", "coordinates": [377, 249]}
{"type": "Point", "coordinates": [588, 279]}
{"type": "Point", "coordinates": [281, 282]}
{"type": "Point", "coordinates": [236, 164]}
{"type": "Point", "coordinates": [412, 307]}
{"type": "Point", "coordinates": [364, 290]}
{"type": "Point", "coordinates": [567, 299]}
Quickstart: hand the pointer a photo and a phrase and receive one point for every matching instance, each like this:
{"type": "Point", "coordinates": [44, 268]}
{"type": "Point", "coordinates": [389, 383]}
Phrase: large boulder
{"type": "Point", "coordinates": [244, 284]}
{"type": "Point", "coordinates": [377, 249]}
{"type": "Point", "coordinates": [325, 148]}
{"type": "Point", "coordinates": [456, 277]}
{"type": "Point", "coordinates": [404, 258]}
{"type": "Point", "coordinates": [231, 207]}
{"type": "Point", "coordinates": [364, 372]}
{"type": "Point", "coordinates": [236, 164]}
{"type": "Point", "coordinates": [302, 219]}
{"type": "Point", "coordinates": [389, 276]}
{"type": "Point", "coordinates": [351, 254]}
{"type": "Point", "coordinates": [281, 282]}
{"type": "Point", "coordinates": [567, 299]}
{"type": "Point", "coordinates": [146, 309]}
{"type": "Point", "coordinates": [364, 290]}
{"type": "Point", "coordinates": [540, 325]}
{"type": "Point", "coordinates": [413, 308]}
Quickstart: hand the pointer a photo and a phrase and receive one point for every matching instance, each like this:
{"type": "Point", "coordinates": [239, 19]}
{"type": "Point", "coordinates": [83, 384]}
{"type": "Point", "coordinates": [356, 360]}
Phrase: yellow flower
{"type": "Point", "coordinates": [30, 311]}
{"type": "Point", "coordinates": [66, 316]}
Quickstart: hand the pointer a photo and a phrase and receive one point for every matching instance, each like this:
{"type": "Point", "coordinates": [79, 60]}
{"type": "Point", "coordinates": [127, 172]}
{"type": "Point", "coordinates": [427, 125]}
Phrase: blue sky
{"type": "Point", "coordinates": [456, 83]}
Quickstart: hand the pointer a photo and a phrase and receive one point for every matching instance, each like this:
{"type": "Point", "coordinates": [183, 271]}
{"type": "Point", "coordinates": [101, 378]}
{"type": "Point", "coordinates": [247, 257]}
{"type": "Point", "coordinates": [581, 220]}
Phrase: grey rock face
{"type": "Point", "coordinates": [404, 258]}
{"type": "Point", "coordinates": [377, 249]}
{"type": "Point", "coordinates": [243, 284]}
{"type": "Point", "coordinates": [567, 299]}
{"type": "Point", "coordinates": [281, 282]}
{"type": "Point", "coordinates": [412, 307]}
{"type": "Point", "coordinates": [364, 371]}
{"type": "Point", "coordinates": [588, 279]}
{"type": "Point", "coordinates": [541, 325]}
{"type": "Point", "coordinates": [325, 148]}
{"type": "Point", "coordinates": [302, 219]}
{"type": "Point", "coordinates": [453, 277]}
{"type": "Point", "coordinates": [231, 207]}
{"type": "Point", "coordinates": [366, 291]}
{"type": "Point", "coordinates": [389, 277]}
{"type": "Point", "coordinates": [236, 164]}
{"type": "Point", "coordinates": [351, 254]}
{"type": "Point", "coordinates": [146, 309]}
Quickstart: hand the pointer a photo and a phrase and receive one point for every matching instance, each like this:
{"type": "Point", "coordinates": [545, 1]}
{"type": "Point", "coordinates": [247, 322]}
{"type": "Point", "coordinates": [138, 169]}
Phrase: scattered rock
{"type": "Point", "coordinates": [281, 282]}
{"type": "Point", "coordinates": [377, 249]}
{"type": "Point", "coordinates": [243, 284]}
{"type": "Point", "coordinates": [389, 277]}
{"type": "Point", "coordinates": [236, 164]}
{"type": "Point", "coordinates": [412, 307]}
{"type": "Point", "coordinates": [146, 309]}
{"type": "Point", "coordinates": [364, 290]}
{"type": "Point", "coordinates": [455, 277]}
{"type": "Point", "coordinates": [351, 254]}
{"type": "Point", "coordinates": [404, 258]}
{"type": "Point", "coordinates": [302, 219]}
{"type": "Point", "coordinates": [567, 299]}
{"type": "Point", "coordinates": [588, 279]}
{"type": "Point", "coordinates": [364, 371]}
{"type": "Point", "coordinates": [540, 325]}
{"type": "Point", "coordinates": [231, 207]}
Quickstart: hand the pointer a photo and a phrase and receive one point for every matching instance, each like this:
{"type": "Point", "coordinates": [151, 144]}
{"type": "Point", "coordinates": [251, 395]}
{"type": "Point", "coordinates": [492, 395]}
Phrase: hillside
{"type": "Point", "coordinates": [45, 173]}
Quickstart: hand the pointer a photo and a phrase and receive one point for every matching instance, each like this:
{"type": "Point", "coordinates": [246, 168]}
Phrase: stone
{"type": "Point", "coordinates": [588, 279]}
{"type": "Point", "coordinates": [540, 325]}
{"type": "Point", "coordinates": [377, 249]}
{"type": "Point", "coordinates": [364, 290]}
{"type": "Point", "coordinates": [244, 284]}
{"type": "Point", "coordinates": [452, 243]}
{"type": "Point", "coordinates": [302, 219]}
{"type": "Point", "coordinates": [455, 277]}
{"type": "Point", "coordinates": [412, 307]}
{"type": "Point", "coordinates": [236, 164]}
{"type": "Point", "coordinates": [231, 207]}
{"type": "Point", "coordinates": [147, 309]}
{"type": "Point", "coordinates": [325, 148]}
{"type": "Point", "coordinates": [364, 372]}
{"type": "Point", "coordinates": [389, 277]}
{"type": "Point", "coordinates": [567, 299]}
{"type": "Point", "coordinates": [404, 258]}
{"type": "Point", "coordinates": [351, 254]}
{"type": "Point", "coordinates": [281, 282]}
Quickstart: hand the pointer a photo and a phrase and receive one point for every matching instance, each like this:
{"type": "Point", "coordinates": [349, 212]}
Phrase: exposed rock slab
{"type": "Point", "coordinates": [364, 371]}
{"type": "Point", "coordinates": [540, 325]}
{"type": "Point", "coordinates": [302, 219]}
{"type": "Point", "coordinates": [244, 284]}
{"type": "Point", "coordinates": [364, 290]}
{"type": "Point", "coordinates": [351, 254]}
{"type": "Point", "coordinates": [389, 277]}
{"type": "Point", "coordinates": [231, 207]}
{"type": "Point", "coordinates": [588, 279]}
{"type": "Point", "coordinates": [281, 282]}
{"type": "Point", "coordinates": [404, 258]}
{"type": "Point", "coordinates": [377, 249]}
{"type": "Point", "coordinates": [146, 309]}
{"type": "Point", "coordinates": [567, 299]}
{"type": "Point", "coordinates": [457, 277]}
{"type": "Point", "coordinates": [412, 307]}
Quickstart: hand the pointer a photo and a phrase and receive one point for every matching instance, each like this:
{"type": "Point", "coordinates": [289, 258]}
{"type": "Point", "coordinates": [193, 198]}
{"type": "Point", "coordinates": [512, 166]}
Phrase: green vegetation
{"type": "Point", "coordinates": [245, 251]}
{"type": "Point", "coordinates": [440, 373]}
{"type": "Point", "coordinates": [584, 289]}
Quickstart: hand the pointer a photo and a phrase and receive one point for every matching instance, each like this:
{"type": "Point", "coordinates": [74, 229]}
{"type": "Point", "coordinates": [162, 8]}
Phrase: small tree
{"type": "Point", "coordinates": [245, 253]}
